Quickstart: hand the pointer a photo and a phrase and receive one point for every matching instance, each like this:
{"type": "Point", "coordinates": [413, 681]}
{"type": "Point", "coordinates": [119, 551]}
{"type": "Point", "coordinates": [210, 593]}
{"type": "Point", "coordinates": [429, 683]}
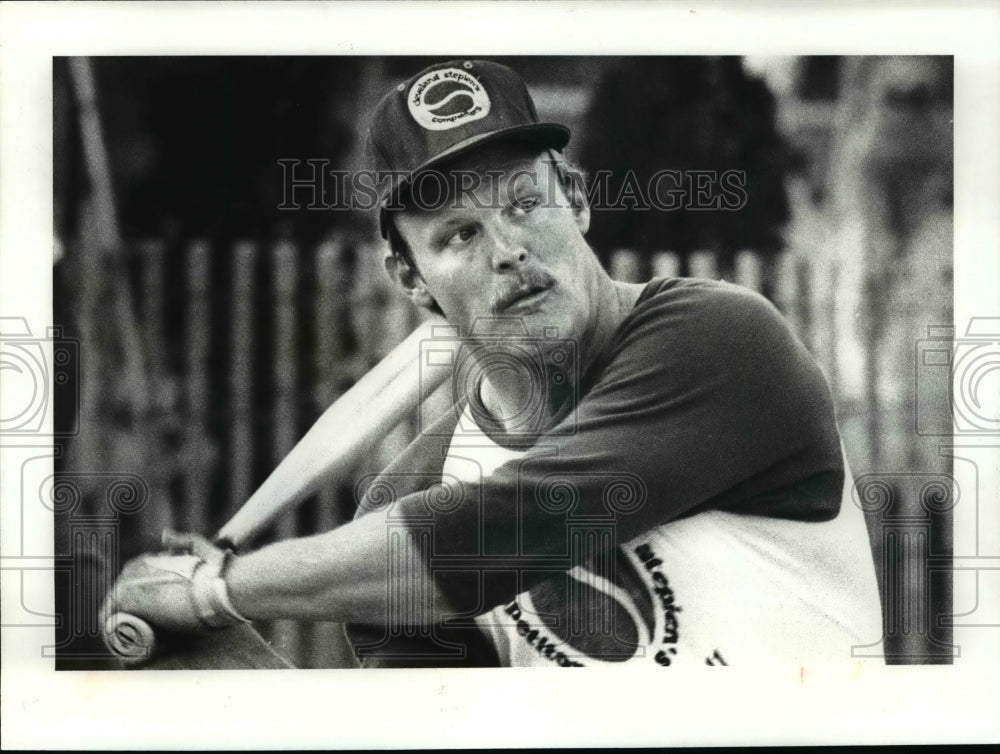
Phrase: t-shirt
{"type": "Point", "coordinates": [705, 402]}
{"type": "Point", "coordinates": [715, 588]}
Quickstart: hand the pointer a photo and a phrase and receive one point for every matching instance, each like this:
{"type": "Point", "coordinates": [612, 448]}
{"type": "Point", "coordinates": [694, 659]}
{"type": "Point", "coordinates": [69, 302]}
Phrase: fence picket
{"type": "Point", "coordinates": [284, 260]}
{"type": "Point", "coordinates": [329, 312]}
{"type": "Point", "coordinates": [327, 645]}
{"type": "Point", "coordinates": [159, 513]}
{"type": "Point", "coordinates": [786, 289]}
{"type": "Point", "coordinates": [702, 264]}
{"type": "Point", "coordinates": [821, 290]}
{"type": "Point", "coordinates": [367, 296]}
{"type": "Point", "coordinates": [240, 376]}
{"type": "Point", "coordinates": [750, 270]}
{"type": "Point", "coordinates": [152, 253]}
{"type": "Point", "coordinates": [666, 264]}
{"type": "Point", "coordinates": [198, 447]}
{"type": "Point", "coordinates": [626, 266]}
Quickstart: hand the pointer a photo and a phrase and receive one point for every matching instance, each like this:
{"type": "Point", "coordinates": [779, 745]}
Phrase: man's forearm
{"type": "Point", "coordinates": [345, 575]}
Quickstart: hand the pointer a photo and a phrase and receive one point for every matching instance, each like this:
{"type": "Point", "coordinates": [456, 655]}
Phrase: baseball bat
{"type": "Point", "coordinates": [348, 430]}
{"type": "Point", "coordinates": [129, 638]}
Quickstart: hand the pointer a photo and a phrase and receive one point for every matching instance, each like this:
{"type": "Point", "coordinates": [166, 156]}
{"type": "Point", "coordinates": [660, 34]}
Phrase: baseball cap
{"type": "Point", "coordinates": [447, 110]}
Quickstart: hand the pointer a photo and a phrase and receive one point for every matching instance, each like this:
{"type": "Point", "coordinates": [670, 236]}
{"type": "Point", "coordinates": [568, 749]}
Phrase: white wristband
{"type": "Point", "coordinates": [210, 596]}
{"type": "Point", "coordinates": [222, 598]}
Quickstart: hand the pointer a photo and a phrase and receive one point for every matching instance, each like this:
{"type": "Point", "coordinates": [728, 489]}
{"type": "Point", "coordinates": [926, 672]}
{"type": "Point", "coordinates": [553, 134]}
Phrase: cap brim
{"type": "Point", "coordinates": [545, 135]}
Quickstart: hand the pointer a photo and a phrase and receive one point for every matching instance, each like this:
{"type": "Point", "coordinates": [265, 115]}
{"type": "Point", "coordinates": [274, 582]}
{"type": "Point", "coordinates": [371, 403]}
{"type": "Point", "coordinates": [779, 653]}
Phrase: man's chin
{"type": "Point", "coordinates": [541, 325]}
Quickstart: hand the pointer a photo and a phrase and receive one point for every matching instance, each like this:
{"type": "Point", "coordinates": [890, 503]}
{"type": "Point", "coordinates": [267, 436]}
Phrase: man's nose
{"type": "Point", "coordinates": [508, 250]}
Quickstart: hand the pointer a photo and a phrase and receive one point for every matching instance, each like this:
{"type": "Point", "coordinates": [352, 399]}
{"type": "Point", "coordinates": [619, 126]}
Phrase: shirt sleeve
{"type": "Point", "coordinates": [706, 400]}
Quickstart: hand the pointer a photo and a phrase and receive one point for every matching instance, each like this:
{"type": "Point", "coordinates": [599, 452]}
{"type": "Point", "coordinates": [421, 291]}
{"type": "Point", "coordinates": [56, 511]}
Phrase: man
{"type": "Point", "coordinates": [633, 473]}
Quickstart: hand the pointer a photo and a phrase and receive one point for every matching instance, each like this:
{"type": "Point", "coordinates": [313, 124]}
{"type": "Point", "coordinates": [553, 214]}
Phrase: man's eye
{"type": "Point", "coordinates": [526, 203]}
{"type": "Point", "coordinates": [464, 235]}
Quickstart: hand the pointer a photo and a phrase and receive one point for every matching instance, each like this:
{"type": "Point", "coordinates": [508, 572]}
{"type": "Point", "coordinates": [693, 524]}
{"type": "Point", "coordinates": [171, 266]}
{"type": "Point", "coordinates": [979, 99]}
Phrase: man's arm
{"type": "Point", "coordinates": [342, 576]}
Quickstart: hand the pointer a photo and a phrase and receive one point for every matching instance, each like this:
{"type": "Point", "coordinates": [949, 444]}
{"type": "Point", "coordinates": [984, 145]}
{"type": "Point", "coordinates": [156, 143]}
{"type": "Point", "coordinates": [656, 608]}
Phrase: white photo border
{"type": "Point", "coordinates": [366, 709]}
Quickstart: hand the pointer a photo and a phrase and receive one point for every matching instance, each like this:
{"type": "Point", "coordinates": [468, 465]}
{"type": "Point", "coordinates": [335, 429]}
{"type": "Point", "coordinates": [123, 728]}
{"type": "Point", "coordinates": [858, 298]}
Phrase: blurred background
{"type": "Point", "coordinates": [215, 326]}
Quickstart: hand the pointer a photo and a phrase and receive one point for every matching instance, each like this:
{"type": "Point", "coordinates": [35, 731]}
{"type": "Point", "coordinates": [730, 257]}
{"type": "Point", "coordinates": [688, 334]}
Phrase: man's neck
{"type": "Point", "coordinates": [506, 393]}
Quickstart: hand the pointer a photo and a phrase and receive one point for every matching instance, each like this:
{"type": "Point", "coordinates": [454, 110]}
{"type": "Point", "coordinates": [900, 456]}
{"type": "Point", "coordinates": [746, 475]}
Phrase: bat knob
{"type": "Point", "coordinates": [129, 638]}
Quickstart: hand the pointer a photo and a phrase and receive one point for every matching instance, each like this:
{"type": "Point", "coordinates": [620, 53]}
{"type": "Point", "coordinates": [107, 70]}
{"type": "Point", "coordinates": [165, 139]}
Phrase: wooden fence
{"type": "Point", "coordinates": [247, 343]}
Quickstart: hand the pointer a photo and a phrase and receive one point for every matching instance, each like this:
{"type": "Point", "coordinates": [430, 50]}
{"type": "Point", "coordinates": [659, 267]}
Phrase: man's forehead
{"type": "Point", "coordinates": [476, 180]}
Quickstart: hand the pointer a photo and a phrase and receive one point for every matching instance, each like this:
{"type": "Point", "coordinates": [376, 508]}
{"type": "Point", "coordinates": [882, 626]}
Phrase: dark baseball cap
{"type": "Point", "coordinates": [446, 111]}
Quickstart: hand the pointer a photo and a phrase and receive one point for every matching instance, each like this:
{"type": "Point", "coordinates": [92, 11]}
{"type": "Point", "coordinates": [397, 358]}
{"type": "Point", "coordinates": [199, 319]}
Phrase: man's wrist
{"type": "Point", "coordinates": [237, 581]}
{"type": "Point", "coordinates": [210, 595]}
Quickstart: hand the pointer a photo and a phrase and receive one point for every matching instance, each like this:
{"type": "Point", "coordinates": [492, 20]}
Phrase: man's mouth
{"type": "Point", "coordinates": [525, 298]}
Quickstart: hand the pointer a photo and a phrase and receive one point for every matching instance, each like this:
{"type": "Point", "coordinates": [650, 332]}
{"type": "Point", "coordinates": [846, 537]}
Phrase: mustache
{"type": "Point", "coordinates": [528, 282]}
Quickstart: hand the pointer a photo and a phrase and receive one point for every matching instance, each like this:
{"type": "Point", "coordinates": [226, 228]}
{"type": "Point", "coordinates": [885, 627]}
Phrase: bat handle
{"type": "Point", "coordinates": [130, 639]}
{"type": "Point", "coordinates": [224, 543]}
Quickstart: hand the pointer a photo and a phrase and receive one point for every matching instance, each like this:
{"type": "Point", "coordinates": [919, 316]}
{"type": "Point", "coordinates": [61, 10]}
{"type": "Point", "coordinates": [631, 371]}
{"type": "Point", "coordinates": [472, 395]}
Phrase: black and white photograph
{"type": "Point", "coordinates": [392, 372]}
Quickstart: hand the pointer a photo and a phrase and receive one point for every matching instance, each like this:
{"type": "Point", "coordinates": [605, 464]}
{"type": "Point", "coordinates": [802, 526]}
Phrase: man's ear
{"type": "Point", "coordinates": [581, 210]}
{"type": "Point", "coordinates": [409, 280]}
{"type": "Point", "coordinates": [573, 188]}
{"type": "Point", "coordinates": [581, 213]}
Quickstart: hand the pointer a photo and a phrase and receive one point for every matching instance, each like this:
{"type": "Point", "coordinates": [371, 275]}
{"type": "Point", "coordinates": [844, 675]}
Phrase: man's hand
{"type": "Point", "coordinates": [157, 588]}
{"type": "Point", "coordinates": [178, 592]}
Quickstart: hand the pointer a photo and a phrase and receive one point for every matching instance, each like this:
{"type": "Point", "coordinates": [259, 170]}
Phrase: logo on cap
{"type": "Point", "coordinates": [447, 98]}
